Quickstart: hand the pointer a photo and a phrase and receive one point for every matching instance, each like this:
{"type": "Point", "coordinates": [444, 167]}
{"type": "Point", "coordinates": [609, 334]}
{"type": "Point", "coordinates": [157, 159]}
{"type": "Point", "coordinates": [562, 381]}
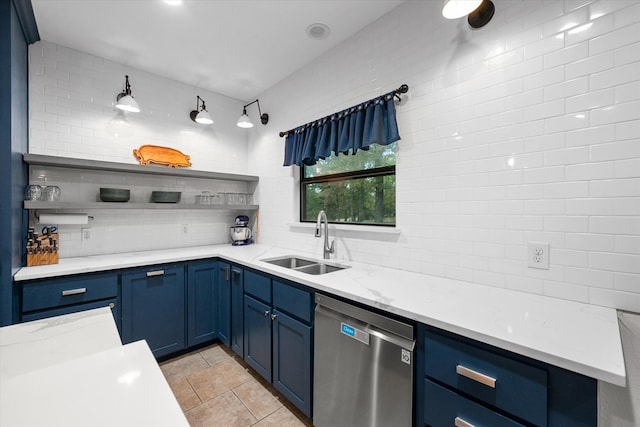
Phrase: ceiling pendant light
{"type": "Point", "coordinates": [200, 115]}
{"type": "Point", "coordinates": [125, 101]}
{"type": "Point", "coordinates": [245, 122]}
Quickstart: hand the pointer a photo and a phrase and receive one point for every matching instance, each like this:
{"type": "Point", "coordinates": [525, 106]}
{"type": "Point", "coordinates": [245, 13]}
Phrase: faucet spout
{"type": "Point", "coordinates": [327, 249]}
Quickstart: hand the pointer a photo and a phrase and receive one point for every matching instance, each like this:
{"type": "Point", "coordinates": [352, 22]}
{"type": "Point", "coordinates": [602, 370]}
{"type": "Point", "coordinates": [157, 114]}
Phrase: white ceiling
{"type": "Point", "coordinates": [237, 48]}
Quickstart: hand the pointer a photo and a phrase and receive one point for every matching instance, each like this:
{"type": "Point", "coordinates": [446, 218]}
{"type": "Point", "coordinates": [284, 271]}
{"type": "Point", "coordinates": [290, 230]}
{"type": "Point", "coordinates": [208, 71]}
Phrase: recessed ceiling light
{"type": "Point", "coordinates": [318, 31]}
{"type": "Point", "coordinates": [174, 2]}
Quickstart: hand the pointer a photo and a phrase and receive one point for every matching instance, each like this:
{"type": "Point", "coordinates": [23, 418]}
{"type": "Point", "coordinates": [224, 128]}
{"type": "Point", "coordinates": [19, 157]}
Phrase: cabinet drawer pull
{"type": "Point", "coordinates": [266, 313]}
{"type": "Point", "coordinates": [273, 316]}
{"type": "Point", "coordinates": [112, 305]}
{"type": "Point", "coordinates": [476, 376]}
{"type": "Point", "coordinates": [155, 273]}
{"type": "Point", "coordinates": [459, 422]}
{"type": "Point", "coordinates": [227, 269]}
{"type": "Point", "coordinates": [78, 291]}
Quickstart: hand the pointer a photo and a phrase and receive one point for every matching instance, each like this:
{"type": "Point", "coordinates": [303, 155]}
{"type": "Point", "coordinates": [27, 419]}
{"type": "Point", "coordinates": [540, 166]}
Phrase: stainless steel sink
{"type": "Point", "coordinates": [290, 262]}
{"type": "Point", "coordinates": [304, 265]}
{"type": "Point", "coordinates": [320, 268]}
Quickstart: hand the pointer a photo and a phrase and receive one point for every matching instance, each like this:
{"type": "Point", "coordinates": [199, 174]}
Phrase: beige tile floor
{"type": "Point", "coordinates": [215, 388]}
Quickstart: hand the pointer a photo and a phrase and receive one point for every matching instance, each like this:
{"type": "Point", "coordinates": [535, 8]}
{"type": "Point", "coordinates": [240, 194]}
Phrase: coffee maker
{"type": "Point", "coordinates": [240, 231]}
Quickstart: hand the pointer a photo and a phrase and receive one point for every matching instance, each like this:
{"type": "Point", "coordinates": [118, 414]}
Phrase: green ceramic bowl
{"type": "Point", "coordinates": [114, 195]}
{"type": "Point", "coordinates": [165, 196]}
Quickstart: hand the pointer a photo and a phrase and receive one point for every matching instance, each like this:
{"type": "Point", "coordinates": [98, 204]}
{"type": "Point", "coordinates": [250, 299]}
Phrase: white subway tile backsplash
{"type": "Point", "coordinates": [615, 299]}
{"type": "Point", "coordinates": [590, 65]}
{"type": "Point", "coordinates": [627, 187]}
{"type": "Point", "coordinates": [626, 35]}
{"type": "Point", "coordinates": [566, 55]}
{"type": "Point", "coordinates": [619, 75]}
{"type": "Point", "coordinates": [567, 291]}
{"type": "Point", "coordinates": [622, 225]}
{"type": "Point", "coordinates": [590, 242]}
{"type": "Point", "coordinates": [616, 113]}
{"type": "Point", "coordinates": [590, 100]}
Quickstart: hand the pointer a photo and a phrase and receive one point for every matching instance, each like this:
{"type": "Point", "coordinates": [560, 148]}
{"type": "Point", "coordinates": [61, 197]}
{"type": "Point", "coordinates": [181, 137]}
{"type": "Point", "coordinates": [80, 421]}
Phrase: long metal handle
{"type": "Point", "coordinates": [476, 376]}
{"type": "Point", "coordinates": [155, 273]}
{"type": "Point", "coordinates": [78, 291]}
{"type": "Point", "coordinates": [226, 273]}
{"type": "Point", "coordinates": [459, 422]}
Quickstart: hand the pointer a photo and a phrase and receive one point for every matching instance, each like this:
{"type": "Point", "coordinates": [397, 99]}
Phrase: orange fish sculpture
{"type": "Point", "coordinates": [171, 157]}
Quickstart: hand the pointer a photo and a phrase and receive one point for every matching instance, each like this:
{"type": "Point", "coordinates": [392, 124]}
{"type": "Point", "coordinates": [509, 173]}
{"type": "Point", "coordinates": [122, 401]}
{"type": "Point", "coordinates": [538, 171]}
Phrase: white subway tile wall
{"type": "Point", "coordinates": [526, 130]}
{"type": "Point", "coordinates": [72, 114]}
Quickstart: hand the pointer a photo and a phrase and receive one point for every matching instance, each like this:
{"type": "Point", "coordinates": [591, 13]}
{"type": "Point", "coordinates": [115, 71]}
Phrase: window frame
{"type": "Point", "coordinates": [342, 176]}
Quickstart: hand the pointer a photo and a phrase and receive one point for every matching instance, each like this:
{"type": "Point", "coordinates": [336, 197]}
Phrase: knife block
{"type": "Point", "coordinates": [44, 255]}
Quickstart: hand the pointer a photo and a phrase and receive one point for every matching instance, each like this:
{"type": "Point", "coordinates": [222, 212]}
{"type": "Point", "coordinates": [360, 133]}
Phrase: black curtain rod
{"type": "Point", "coordinates": [402, 89]}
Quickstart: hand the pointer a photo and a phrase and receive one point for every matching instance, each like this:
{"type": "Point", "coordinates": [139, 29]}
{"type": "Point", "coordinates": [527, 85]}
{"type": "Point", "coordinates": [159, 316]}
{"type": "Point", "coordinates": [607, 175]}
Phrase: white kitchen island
{"type": "Point", "coordinates": [73, 370]}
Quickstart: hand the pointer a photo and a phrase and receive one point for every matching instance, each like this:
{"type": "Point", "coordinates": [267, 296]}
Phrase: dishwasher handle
{"type": "Point", "coordinates": [359, 330]}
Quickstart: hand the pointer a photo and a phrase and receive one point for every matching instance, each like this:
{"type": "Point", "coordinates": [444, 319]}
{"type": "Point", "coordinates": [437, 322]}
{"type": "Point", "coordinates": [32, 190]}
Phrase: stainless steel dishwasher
{"type": "Point", "coordinates": [363, 367]}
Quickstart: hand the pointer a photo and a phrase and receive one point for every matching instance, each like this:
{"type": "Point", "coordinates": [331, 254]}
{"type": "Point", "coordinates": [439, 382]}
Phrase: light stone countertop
{"type": "Point", "coordinates": [73, 370]}
{"type": "Point", "coordinates": [579, 337]}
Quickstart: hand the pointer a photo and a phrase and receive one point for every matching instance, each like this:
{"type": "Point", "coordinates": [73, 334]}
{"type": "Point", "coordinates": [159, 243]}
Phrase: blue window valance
{"type": "Point", "coordinates": [355, 128]}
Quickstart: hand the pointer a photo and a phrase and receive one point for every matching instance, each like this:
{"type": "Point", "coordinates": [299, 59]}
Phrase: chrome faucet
{"type": "Point", "coordinates": [328, 250]}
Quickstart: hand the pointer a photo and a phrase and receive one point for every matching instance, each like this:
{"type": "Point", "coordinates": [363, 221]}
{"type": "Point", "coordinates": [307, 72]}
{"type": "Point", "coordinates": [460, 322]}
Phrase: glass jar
{"type": "Point", "coordinates": [33, 192]}
{"type": "Point", "coordinates": [51, 193]}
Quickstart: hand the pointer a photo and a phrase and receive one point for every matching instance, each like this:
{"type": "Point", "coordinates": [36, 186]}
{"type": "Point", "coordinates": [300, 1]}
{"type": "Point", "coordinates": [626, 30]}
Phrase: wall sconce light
{"type": "Point", "coordinates": [479, 12]}
{"type": "Point", "coordinates": [245, 122]}
{"type": "Point", "coordinates": [125, 101]}
{"type": "Point", "coordinates": [201, 115]}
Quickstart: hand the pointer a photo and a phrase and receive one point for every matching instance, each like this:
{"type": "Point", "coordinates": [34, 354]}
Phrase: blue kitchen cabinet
{"type": "Point", "coordinates": [278, 334]}
{"type": "Point", "coordinates": [56, 296]}
{"type": "Point", "coordinates": [153, 307]}
{"type": "Point", "coordinates": [224, 302]}
{"type": "Point", "coordinates": [465, 382]}
{"type": "Point", "coordinates": [257, 336]}
{"type": "Point", "coordinates": [202, 302]}
{"type": "Point", "coordinates": [292, 350]}
{"type": "Point", "coordinates": [237, 306]}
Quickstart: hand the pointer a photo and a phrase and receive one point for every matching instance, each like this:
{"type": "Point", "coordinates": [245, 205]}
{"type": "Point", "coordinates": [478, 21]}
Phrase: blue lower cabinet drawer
{"type": "Point", "coordinates": [511, 385]}
{"type": "Point", "coordinates": [293, 300]}
{"type": "Point", "coordinates": [257, 285]}
{"type": "Point", "coordinates": [112, 303]}
{"type": "Point", "coordinates": [68, 290]}
{"type": "Point", "coordinates": [443, 407]}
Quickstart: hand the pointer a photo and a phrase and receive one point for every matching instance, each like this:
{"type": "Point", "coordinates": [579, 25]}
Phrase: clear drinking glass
{"type": "Point", "coordinates": [51, 193]}
{"type": "Point", "coordinates": [33, 192]}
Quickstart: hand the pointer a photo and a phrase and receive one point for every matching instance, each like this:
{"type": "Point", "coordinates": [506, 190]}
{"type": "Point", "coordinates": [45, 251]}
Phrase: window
{"type": "Point", "coordinates": [352, 189]}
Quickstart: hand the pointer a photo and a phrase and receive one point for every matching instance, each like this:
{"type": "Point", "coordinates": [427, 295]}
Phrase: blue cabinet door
{"type": "Point", "coordinates": [224, 303]}
{"type": "Point", "coordinates": [153, 308]}
{"type": "Point", "coordinates": [237, 322]}
{"type": "Point", "coordinates": [257, 336]}
{"type": "Point", "coordinates": [292, 350]}
{"type": "Point", "coordinates": [202, 298]}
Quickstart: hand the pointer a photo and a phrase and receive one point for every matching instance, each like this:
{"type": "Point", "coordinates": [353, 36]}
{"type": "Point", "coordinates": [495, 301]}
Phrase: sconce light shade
{"type": "Point", "coordinates": [482, 15]}
{"type": "Point", "coordinates": [200, 114]}
{"type": "Point", "coordinates": [454, 9]}
{"type": "Point", "coordinates": [245, 122]}
{"type": "Point", "coordinates": [125, 101]}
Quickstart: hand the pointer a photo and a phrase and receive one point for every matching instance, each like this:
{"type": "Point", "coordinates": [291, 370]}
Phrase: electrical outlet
{"type": "Point", "coordinates": [85, 233]}
{"type": "Point", "coordinates": [538, 255]}
{"type": "Point", "coordinates": [185, 229]}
